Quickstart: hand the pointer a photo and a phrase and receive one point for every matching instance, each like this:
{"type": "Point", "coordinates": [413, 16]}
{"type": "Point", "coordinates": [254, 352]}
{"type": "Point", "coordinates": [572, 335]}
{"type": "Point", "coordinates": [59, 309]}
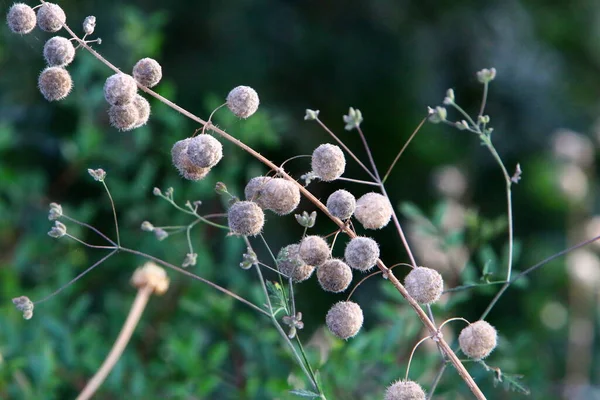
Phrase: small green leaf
{"type": "Point", "coordinates": [305, 393]}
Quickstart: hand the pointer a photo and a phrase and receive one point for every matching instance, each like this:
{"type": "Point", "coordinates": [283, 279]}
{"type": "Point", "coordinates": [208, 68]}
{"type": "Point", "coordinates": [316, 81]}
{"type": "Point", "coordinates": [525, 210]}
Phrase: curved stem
{"type": "Point", "coordinates": [411, 356]}
{"type": "Point", "coordinates": [114, 212]}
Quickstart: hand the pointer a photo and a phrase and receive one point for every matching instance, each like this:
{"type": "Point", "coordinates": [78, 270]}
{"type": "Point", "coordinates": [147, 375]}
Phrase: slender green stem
{"type": "Point", "coordinates": [114, 211]}
{"type": "Point", "coordinates": [89, 245]}
{"type": "Point", "coordinates": [466, 115]}
{"type": "Point", "coordinates": [483, 100]}
{"type": "Point", "coordinates": [472, 285]}
{"type": "Point", "coordinates": [91, 228]}
{"type": "Point", "coordinates": [280, 275]}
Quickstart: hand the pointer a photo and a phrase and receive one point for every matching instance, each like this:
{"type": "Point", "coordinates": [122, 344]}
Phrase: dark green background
{"type": "Point", "coordinates": [390, 59]}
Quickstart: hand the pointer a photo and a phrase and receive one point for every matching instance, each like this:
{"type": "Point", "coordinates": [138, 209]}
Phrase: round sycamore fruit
{"type": "Point", "coordinates": [341, 204]}
{"type": "Point", "coordinates": [119, 89]}
{"type": "Point", "coordinates": [344, 319]}
{"type": "Point", "coordinates": [204, 151]}
{"type": "Point", "coordinates": [246, 218]}
{"type": "Point", "coordinates": [478, 340]}
{"type": "Point", "coordinates": [361, 253]}
{"type": "Point", "coordinates": [55, 83]}
{"type": "Point", "coordinates": [334, 275]}
{"type": "Point", "coordinates": [143, 108]}
{"type": "Point", "coordinates": [404, 390]}
{"type": "Point", "coordinates": [147, 72]}
{"type": "Point", "coordinates": [183, 164]}
{"type": "Point", "coordinates": [314, 250]}
{"type": "Point", "coordinates": [21, 18]}
{"type": "Point", "coordinates": [291, 265]}
{"type": "Point", "coordinates": [425, 285]}
{"type": "Point", "coordinates": [243, 101]}
{"type": "Point", "coordinates": [328, 162]}
{"type": "Point", "coordinates": [59, 51]}
{"type": "Point", "coordinates": [373, 211]}
{"type": "Point", "coordinates": [50, 17]}
{"type": "Point", "coordinates": [124, 117]}
{"type": "Point", "coordinates": [276, 194]}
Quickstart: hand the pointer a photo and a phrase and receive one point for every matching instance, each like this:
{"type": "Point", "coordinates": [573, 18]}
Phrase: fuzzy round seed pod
{"type": "Point", "coordinates": [373, 211]}
{"type": "Point", "coordinates": [246, 218]}
{"type": "Point", "coordinates": [254, 187]}
{"type": "Point", "coordinates": [59, 51]}
{"type": "Point", "coordinates": [204, 151]}
{"type": "Point", "coordinates": [425, 285]}
{"type": "Point", "coordinates": [404, 390]}
{"type": "Point", "coordinates": [243, 101]}
{"type": "Point", "coordinates": [119, 89]}
{"type": "Point", "coordinates": [341, 204]}
{"type": "Point", "coordinates": [151, 275]}
{"type": "Point", "coordinates": [147, 72]}
{"type": "Point", "coordinates": [314, 250]}
{"type": "Point", "coordinates": [21, 18]}
{"type": "Point", "coordinates": [55, 83]}
{"type": "Point", "coordinates": [344, 319]}
{"type": "Point", "coordinates": [334, 275]}
{"type": "Point", "coordinates": [291, 265]}
{"type": "Point", "coordinates": [183, 164]}
{"type": "Point", "coordinates": [276, 194]}
{"type": "Point", "coordinates": [143, 109]}
{"type": "Point", "coordinates": [361, 253]}
{"type": "Point", "coordinates": [50, 17]}
{"type": "Point", "coordinates": [123, 117]}
{"type": "Point", "coordinates": [328, 162]}
{"type": "Point", "coordinates": [478, 340]}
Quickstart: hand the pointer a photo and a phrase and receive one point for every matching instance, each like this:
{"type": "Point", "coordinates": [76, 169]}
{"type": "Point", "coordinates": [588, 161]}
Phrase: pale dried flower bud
{"type": "Point", "coordinates": [204, 151]}
{"type": "Point", "coordinates": [147, 226]}
{"type": "Point", "coordinates": [373, 211]}
{"type": "Point", "coordinates": [246, 218]}
{"type": "Point", "coordinates": [404, 390]}
{"type": "Point", "coordinates": [328, 162]}
{"type": "Point", "coordinates": [50, 17]}
{"type": "Point", "coordinates": [24, 305]}
{"type": "Point", "coordinates": [119, 89]}
{"type": "Point", "coordinates": [55, 83]}
{"type": "Point", "coordinates": [58, 230]}
{"type": "Point", "coordinates": [59, 51]}
{"type": "Point", "coordinates": [478, 340]}
{"type": "Point", "coordinates": [89, 24]}
{"type": "Point", "coordinates": [55, 212]}
{"type": "Point", "coordinates": [151, 275]}
{"type": "Point", "coordinates": [147, 72]}
{"type": "Point", "coordinates": [21, 18]}
{"type": "Point", "coordinates": [124, 117]}
{"type": "Point", "coordinates": [182, 162]}
{"type": "Point", "coordinates": [344, 319]}
{"type": "Point", "coordinates": [291, 265]}
{"type": "Point", "coordinates": [334, 275]}
{"type": "Point", "coordinates": [143, 109]}
{"type": "Point", "coordinates": [361, 253]}
{"type": "Point", "coordinates": [341, 204]}
{"type": "Point", "coordinates": [314, 250]}
{"type": "Point", "coordinates": [243, 101]}
{"type": "Point", "coordinates": [425, 285]}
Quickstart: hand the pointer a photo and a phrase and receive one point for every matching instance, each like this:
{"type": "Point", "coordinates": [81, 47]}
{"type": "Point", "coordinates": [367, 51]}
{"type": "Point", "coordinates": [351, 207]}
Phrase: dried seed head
{"type": "Point", "coordinates": [24, 305]}
{"type": "Point", "coordinates": [243, 101]}
{"type": "Point", "coordinates": [55, 83]}
{"type": "Point", "coordinates": [182, 162]}
{"type": "Point", "coordinates": [425, 285]}
{"type": "Point", "coordinates": [276, 194]}
{"type": "Point", "coordinates": [404, 390]}
{"type": "Point", "coordinates": [334, 276]}
{"type": "Point", "coordinates": [291, 265]}
{"type": "Point", "coordinates": [119, 89]}
{"type": "Point", "coordinates": [21, 18]}
{"type": "Point", "coordinates": [204, 151]}
{"type": "Point", "coordinates": [147, 72]}
{"type": "Point", "coordinates": [151, 275]}
{"type": "Point", "coordinates": [314, 250]}
{"type": "Point", "coordinates": [246, 218]}
{"type": "Point", "coordinates": [341, 204]}
{"type": "Point", "coordinates": [478, 340]}
{"type": "Point", "coordinates": [89, 24]}
{"type": "Point", "coordinates": [143, 110]}
{"type": "Point", "coordinates": [50, 17]}
{"type": "Point", "coordinates": [253, 188]}
{"type": "Point", "coordinates": [361, 253]}
{"type": "Point", "coordinates": [328, 162]}
{"type": "Point", "coordinates": [373, 211]}
{"type": "Point", "coordinates": [123, 117]}
{"type": "Point", "coordinates": [59, 51]}
{"type": "Point", "coordinates": [344, 319]}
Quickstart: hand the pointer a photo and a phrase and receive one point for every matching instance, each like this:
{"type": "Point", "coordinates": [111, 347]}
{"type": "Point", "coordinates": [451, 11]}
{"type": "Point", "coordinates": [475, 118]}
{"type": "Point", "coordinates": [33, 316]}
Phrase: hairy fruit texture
{"type": "Point", "coordinates": [425, 285]}
{"type": "Point", "coordinates": [151, 275]}
{"type": "Point", "coordinates": [182, 162]}
{"type": "Point", "coordinates": [276, 194]}
{"type": "Point", "coordinates": [21, 18]}
{"type": "Point", "coordinates": [143, 109]}
{"type": "Point", "coordinates": [334, 276]}
{"type": "Point", "coordinates": [341, 204]}
{"type": "Point", "coordinates": [119, 89]}
{"type": "Point", "coordinates": [124, 117]}
{"type": "Point", "coordinates": [243, 101]}
{"type": "Point", "coordinates": [55, 83]}
{"type": "Point", "coordinates": [291, 265]}
{"type": "Point", "coordinates": [404, 390]}
{"type": "Point", "coordinates": [344, 319]}
{"type": "Point", "coordinates": [147, 72]}
{"type": "Point", "coordinates": [328, 162]}
{"type": "Point", "coordinates": [246, 218]}
{"type": "Point", "coordinates": [59, 51]}
{"type": "Point", "coordinates": [204, 151]}
{"type": "Point", "coordinates": [478, 340]}
{"type": "Point", "coordinates": [361, 253]}
{"type": "Point", "coordinates": [50, 17]}
{"type": "Point", "coordinates": [373, 211]}
{"type": "Point", "coordinates": [314, 250]}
